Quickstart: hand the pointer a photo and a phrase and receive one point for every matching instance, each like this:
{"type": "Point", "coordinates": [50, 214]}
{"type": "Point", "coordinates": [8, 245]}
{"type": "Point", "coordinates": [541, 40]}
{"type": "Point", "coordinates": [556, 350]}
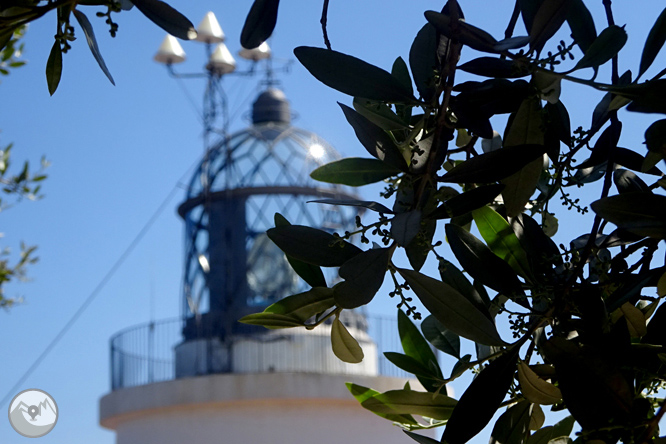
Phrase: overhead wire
{"type": "Point", "coordinates": [96, 291]}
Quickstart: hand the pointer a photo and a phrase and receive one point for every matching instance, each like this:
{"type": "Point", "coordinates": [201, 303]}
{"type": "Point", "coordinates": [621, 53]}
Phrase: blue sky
{"type": "Point", "coordinates": [117, 152]}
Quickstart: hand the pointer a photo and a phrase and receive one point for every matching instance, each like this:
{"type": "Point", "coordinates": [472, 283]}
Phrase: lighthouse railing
{"type": "Point", "coordinates": [156, 352]}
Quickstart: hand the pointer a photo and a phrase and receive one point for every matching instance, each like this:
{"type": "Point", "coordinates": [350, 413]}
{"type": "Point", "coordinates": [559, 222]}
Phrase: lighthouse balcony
{"type": "Point", "coordinates": [158, 351]}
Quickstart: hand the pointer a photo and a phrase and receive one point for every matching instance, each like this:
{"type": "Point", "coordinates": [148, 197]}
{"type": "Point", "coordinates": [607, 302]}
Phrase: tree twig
{"type": "Point", "coordinates": [324, 22]}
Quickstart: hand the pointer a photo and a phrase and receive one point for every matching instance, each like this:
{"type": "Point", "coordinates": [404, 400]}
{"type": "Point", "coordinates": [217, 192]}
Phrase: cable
{"type": "Point", "coordinates": [91, 297]}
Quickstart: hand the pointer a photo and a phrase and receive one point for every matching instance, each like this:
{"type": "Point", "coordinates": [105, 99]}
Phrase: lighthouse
{"type": "Point", "coordinates": [206, 378]}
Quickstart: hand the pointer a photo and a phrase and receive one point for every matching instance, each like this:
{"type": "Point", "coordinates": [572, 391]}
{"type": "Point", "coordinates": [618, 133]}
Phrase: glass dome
{"type": "Point", "coordinates": [231, 267]}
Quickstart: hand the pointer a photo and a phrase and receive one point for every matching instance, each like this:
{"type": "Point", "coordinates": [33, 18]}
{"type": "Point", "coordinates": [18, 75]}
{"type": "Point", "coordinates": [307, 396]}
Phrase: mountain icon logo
{"type": "Point", "coordinates": [33, 413]}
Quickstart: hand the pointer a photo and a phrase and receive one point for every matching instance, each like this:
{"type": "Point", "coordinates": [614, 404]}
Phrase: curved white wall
{"type": "Point", "coordinates": [274, 408]}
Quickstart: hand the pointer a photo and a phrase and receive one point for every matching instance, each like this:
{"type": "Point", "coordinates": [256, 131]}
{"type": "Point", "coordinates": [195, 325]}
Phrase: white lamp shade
{"type": "Point", "coordinates": [261, 52]}
{"type": "Point", "coordinates": [170, 51]}
{"type": "Point", "coordinates": [209, 30]}
{"type": "Point", "coordinates": [221, 61]}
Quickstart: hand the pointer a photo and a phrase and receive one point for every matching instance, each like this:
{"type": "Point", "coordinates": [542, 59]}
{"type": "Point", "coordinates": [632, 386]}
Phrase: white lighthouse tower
{"type": "Point", "coordinates": [204, 377]}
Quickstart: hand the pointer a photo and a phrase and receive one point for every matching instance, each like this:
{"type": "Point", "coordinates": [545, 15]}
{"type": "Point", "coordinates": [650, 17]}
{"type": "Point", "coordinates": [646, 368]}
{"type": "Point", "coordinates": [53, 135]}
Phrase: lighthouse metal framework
{"type": "Point", "coordinates": [204, 375]}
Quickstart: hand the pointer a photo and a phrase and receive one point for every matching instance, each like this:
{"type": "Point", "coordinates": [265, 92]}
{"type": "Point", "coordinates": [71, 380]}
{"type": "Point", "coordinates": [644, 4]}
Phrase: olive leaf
{"type": "Point", "coordinates": [374, 139]}
{"type": "Point", "coordinates": [354, 171]}
{"type": "Point", "coordinates": [363, 275]}
{"type": "Point", "coordinates": [609, 42]}
{"type": "Point", "coordinates": [481, 263]}
{"type": "Point", "coordinates": [452, 309]}
{"type": "Point", "coordinates": [481, 400]}
{"type": "Point", "coordinates": [495, 165]}
{"type": "Point", "coordinates": [423, 61]}
{"type": "Point", "coordinates": [362, 393]}
{"type": "Point", "coordinates": [352, 76]}
{"type": "Point", "coordinates": [441, 337]}
{"type": "Point", "coordinates": [345, 347]}
{"type": "Point", "coordinates": [313, 246]}
{"type": "Point", "coordinates": [639, 213]}
{"type": "Point", "coordinates": [167, 18]}
{"type": "Point", "coordinates": [374, 206]}
{"type": "Point", "coordinates": [435, 406]}
{"type": "Point", "coordinates": [535, 389]}
{"type": "Point", "coordinates": [548, 19]}
{"type": "Point", "coordinates": [259, 23]}
{"type": "Point", "coordinates": [501, 239]}
{"type": "Point", "coordinates": [54, 67]}
{"type": "Point", "coordinates": [405, 227]}
{"type": "Point", "coordinates": [513, 425]}
{"type": "Point", "coordinates": [310, 273]}
{"type": "Point", "coordinates": [92, 42]}
{"type": "Point", "coordinates": [655, 41]}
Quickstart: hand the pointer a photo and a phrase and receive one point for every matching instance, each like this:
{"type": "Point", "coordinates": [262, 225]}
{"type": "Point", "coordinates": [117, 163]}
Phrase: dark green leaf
{"type": "Point", "coordinates": [481, 263]}
{"type": "Point", "coordinates": [354, 171]}
{"type": "Point", "coordinates": [467, 201]}
{"type": "Point", "coordinates": [310, 273]}
{"type": "Point", "coordinates": [363, 393]}
{"type": "Point", "coordinates": [461, 366]}
{"type": "Point", "coordinates": [594, 387]}
{"type": "Point", "coordinates": [526, 125]}
{"type": "Point", "coordinates": [481, 400]}
{"type": "Point", "coordinates": [440, 337]}
{"type": "Point", "coordinates": [415, 345]}
{"type": "Point", "coordinates": [512, 43]}
{"type": "Point", "coordinates": [452, 309]}
{"type": "Point", "coordinates": [363, 275]}
{"type": "Point", "coordinates": [490, 97]}
{"type": "Point", "coordinates": [655, 137]}
{"type": "Point", "coordinates": [420, 438]}
{"type": "Point", "coordinates": [604, 146]}
{"type": "Point", "coordinates": [418, 249]}
{"type": "Point", "coordinates": [540, 248]}
{"type": "Point", "coordinates": [547, 434]}
{"type": "Point", "coordinates": [312, 246]}
{"type": "Point", "coordinates": [374, 206]}
{"type": "Point", "coordinates": [628, 182]}
{"type": "Point", "coordinates": [92, 42]}
{"type": "Point", "coordinates": [461, 31]}
{"type": "Point", "coordinates": [54, 68]}
{"type": "Point", "coordinates": [375, 140]}
{"type": "Point", "coordinates": [455, 278]}
{"type": "Point", "coordinates": [400, 71]}
{"type": "Point", "coordinates": [581, 24]}
{"type": "Point", "coordinates": [425, 375]}
{"type": "Point", "coordinates": [494, 166]}
{"type": "Point", "coordinates": [558, 122]}
{"type": "Point", "coordinates": [303, 306]}
{"type": "Point", "coordinates": [352, 76]}
{"type": "Point", "coordinates": [260, 23]}
{"type": "Point", "coordinates": [501, 239]}
{"type": "Point", "coordinates": [405, 227]}
{"type": "Point", "coordinates": [423, 61]}
{"type": "Point", "coordinates": [528, 9]}
{"type": "Point", "coordinates": [426, 404]}
{"type": "Point", "coordinates": [655, 41]}
{"type": "Point", "coordinates": [271, 320]}
{"type": "Point", "coordinates": [605, 47]}
{"type": "Point", "coordinates": [378, 113]}
{"type": "Point", "coordinates": [512, 426]}
{"type": "Point", "coordinates": [648, 98]}
{"type": "Point", "coordinates": [547, 21]}
{"type": "Point", "coordinates": [495, 68]}
{"type": "Point", "coordinates": [639, 213]}
{"type": "Point", "coordinates": [167, 18]}
{"type": "Point", "coordinates": [520, 187]}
